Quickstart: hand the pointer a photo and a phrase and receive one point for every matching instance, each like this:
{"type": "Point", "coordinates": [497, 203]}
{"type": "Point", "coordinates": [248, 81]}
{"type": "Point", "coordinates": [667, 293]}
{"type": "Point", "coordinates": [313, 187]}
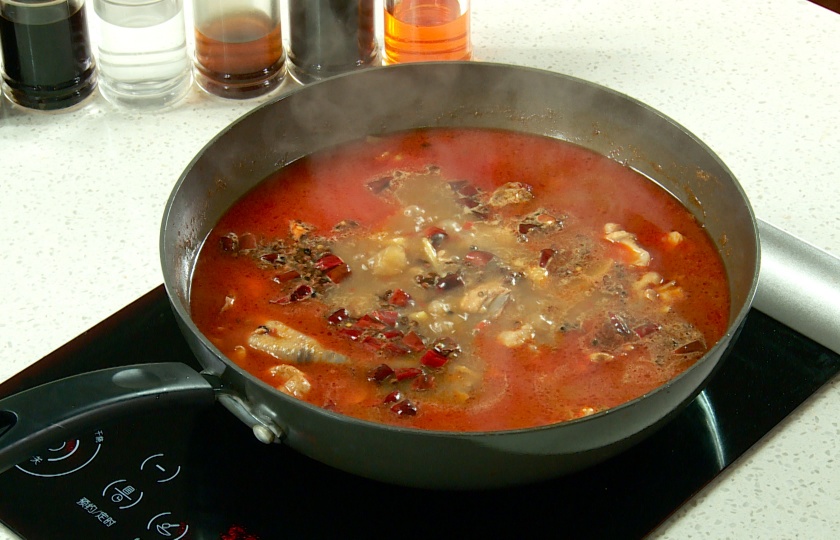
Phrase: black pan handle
{"type": "Point", "coordinates": [35, 418]}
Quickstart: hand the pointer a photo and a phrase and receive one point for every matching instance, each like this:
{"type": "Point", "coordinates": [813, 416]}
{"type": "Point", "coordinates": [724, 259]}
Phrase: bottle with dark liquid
{"type": "Point", "coordinates": [328, 37]}
{"type": "Point", "coordinates": [47, 58]}
{"type": "Point", "coordinates": [238, 47]}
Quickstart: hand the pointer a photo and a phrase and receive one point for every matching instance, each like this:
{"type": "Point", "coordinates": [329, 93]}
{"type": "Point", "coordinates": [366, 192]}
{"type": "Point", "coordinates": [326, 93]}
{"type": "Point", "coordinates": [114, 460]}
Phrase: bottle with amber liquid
{"type": "Point", "coordinates": [329, 37]}
{"type": "Point", "coordinates": [46, 50]}
{"type": "Point", "coordinates": [427, 30]}
{"type": "Point", "coordinates": [238, 47]}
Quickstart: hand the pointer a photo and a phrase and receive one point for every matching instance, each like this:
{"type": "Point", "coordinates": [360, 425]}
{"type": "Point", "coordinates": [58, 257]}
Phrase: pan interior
{"type": "Point", "coordinates": [379, 101]}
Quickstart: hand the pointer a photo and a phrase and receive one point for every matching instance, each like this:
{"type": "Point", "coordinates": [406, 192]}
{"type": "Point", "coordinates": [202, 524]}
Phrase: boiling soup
{"type": "Point", "coordinates": [460, 279]}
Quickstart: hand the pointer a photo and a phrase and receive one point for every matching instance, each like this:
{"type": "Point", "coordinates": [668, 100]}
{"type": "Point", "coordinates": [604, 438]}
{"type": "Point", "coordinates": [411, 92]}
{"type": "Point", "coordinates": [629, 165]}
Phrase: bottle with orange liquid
{"type": "Point", "coordinates": [238, 47]}
{"type": "Point", "coordinates": [427, 30]}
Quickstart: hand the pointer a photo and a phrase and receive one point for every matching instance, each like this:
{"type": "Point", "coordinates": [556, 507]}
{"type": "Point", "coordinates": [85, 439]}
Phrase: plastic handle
{"type": "Point", "coordinates": [35, 418]}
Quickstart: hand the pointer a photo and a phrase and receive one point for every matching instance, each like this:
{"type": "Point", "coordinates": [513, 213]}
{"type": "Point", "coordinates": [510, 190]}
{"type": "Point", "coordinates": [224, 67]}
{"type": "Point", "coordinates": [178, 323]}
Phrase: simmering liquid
{"type": "Point", "coordinates": [423, 30]}
{"type": "Point", "coordinates": [239, 55]}
{"type": "Point", "coordinates": [460, 279]}
{"type": "Point", "coordinates": [47, 60]}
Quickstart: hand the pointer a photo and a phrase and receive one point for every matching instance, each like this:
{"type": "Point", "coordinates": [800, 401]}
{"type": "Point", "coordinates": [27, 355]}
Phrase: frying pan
{"type": "Point", "coordinates": [378, 101]}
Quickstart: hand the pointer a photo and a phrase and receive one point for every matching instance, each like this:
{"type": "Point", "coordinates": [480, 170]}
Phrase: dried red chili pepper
{"type": "Point", "coordinates": [449, 282]}
{"type": "Point", "coordinates": [368, 322]}
{"type": "Point", "coordinates": [393, 397]}
{"type": "Point", "coordinates": [380, 373]}
{"type": "Point", "coordinates": [692, 347]}
{"type": "Point", "coordinates": [404, 408]}
{"type": "Point", "coordinates": [380, 184]}
{"type": "Point", "coordinates": [478, 258]}
{"type": "Point", "coordinates": [301, 293]}
{"type": "Point", "coordinates": [425, 382]}
{"type": "Point", "coordinates": [525, 228]}
{"type": "Point", "coordinates": [286, 276]}
{"type": "Point", "coordinates": [545, 256]}
{"type": "Point", "coordinates": [386, 317]}
{"type": "Point", "coordinates": [646, 329]}
{"type": "Point", "coordinates": [353, 333]}
{"type": "Point", "coordinates": [433, 359]}
{"type": "Point", "coordinates": [229, 242]}
{"type": "Point", "coordinates": [271, 257]}
{"type": "Point", "coordinates": [407, 373]}
{"type": "Point", "coordinates": [400, 298]}
{"type": "Point", "coordinates": [338, 316]}
{"type": "Point", "coordinates": [328, 262]}
{"type": "Point", "coordinates": [413, 341]}
{"type": "Point", "coordinates": [446, 346]}
{"type": "Point", "coordinates": [339, 273]}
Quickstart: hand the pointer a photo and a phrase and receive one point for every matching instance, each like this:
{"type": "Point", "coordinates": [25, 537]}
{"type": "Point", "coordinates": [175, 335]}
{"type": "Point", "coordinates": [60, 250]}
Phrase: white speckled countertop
{"type": "Point", "coordinates": [757, 80]}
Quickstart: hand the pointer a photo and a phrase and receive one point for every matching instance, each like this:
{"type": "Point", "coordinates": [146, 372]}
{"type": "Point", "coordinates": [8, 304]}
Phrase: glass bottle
{"type": "Point", "coordinates": [47, 58]}
{"type": "Point", "coordinates": [328, 37]}
{"type": "Point", "coordinates": [143, 61]}
{"type": "Point", "coordinates": [427, 30]}
{"type": "Point", "coordinates": [238, 47]}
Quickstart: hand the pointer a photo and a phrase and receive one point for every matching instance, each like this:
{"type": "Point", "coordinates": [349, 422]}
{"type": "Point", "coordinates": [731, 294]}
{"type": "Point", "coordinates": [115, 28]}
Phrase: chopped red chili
{"type": "Point", "coordinates": [338, 316]}
{"type": "Point", "coordinates": [692, 347]}
{"type": "Point", "coordinates": [328, 262]}
{"type": "Point", "coordinates": [287, 276]}
{"type": "Point", "coordinates": [407, 373]}
{"type": "Point", "coordinates": [380, 373]}
{"type": "Point", "coordinates": [393, 397]}
{"type": "Point", "coordinates": [400, 298]}
{"type": "Point", "coordinates": [545, 257]}
{"type": "Point", "coordinates": [404, 408]}
{"type": "Point", "coordinates": [433, 359]}
{"type": "Point", "coordinates": [478, 258]}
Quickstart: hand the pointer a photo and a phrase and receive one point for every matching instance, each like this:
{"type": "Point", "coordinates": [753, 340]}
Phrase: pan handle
{"type": "Point", "coordinates": [35, 418]}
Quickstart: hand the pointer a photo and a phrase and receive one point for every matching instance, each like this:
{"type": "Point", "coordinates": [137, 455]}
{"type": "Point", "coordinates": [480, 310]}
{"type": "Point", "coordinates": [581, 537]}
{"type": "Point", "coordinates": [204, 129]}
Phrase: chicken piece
{"type": "Point", "coordinates": [617, 236]}
{"type": "Point", "coordinates": [487, 298]}
{"type": "Point", "coordinates": [674, 238]}
{"type": "Point", "coordinates": [292, 380]}
{"type": "Point", "coordinates": [650, 279]}
{"type": "Point", "coordinates": [287, 344]}
{"type": "Point", "coordinates": [511, 193]}
{"type": "Point", "coordinates": [516, 338]}
{"type": "Point", "coordinates": [459, 384]}
{"type": "Point", "coordinates": [390, 261]}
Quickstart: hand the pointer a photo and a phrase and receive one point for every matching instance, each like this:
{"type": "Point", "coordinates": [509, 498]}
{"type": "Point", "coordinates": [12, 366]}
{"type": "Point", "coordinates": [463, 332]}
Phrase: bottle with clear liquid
{"type": "Point", "coordinates": [143, 59]}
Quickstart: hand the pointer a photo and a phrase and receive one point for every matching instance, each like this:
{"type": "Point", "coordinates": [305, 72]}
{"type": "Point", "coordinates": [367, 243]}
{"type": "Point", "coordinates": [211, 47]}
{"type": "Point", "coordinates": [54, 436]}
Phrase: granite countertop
{"type": "Point", "coordinates": [757, 80]}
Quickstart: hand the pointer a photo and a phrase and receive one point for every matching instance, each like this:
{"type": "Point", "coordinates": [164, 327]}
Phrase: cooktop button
{"type": "Point", "coordinates": [160, 468]}
{"type": "Point", "coordinates": [122, 493]}
{"type": "Point", "coordinates": [64, 458]}
{"type": "Point", "coordinates": [163, 525]}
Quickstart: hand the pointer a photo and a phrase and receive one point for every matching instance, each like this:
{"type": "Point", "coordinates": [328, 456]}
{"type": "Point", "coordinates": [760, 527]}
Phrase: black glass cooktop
{"type": "Point", "coordinates": [200, 474]}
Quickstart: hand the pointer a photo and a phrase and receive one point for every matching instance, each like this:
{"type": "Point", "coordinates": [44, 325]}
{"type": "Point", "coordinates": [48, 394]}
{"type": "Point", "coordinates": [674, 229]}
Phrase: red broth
{"type": "Point", "coordinates": [460, 279]}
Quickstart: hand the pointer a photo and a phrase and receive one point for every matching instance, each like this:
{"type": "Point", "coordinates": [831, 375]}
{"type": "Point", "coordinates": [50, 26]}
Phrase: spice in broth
{"type": "Point", "coordinates": [460, 279]}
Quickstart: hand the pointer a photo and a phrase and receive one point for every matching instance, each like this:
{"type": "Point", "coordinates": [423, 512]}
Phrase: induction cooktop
{"type": "Point", "coordinates": [198, 473]}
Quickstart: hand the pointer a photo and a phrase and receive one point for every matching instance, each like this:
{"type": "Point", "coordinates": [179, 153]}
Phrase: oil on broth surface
{"type": "Point", "coordinates": [460, 279]}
